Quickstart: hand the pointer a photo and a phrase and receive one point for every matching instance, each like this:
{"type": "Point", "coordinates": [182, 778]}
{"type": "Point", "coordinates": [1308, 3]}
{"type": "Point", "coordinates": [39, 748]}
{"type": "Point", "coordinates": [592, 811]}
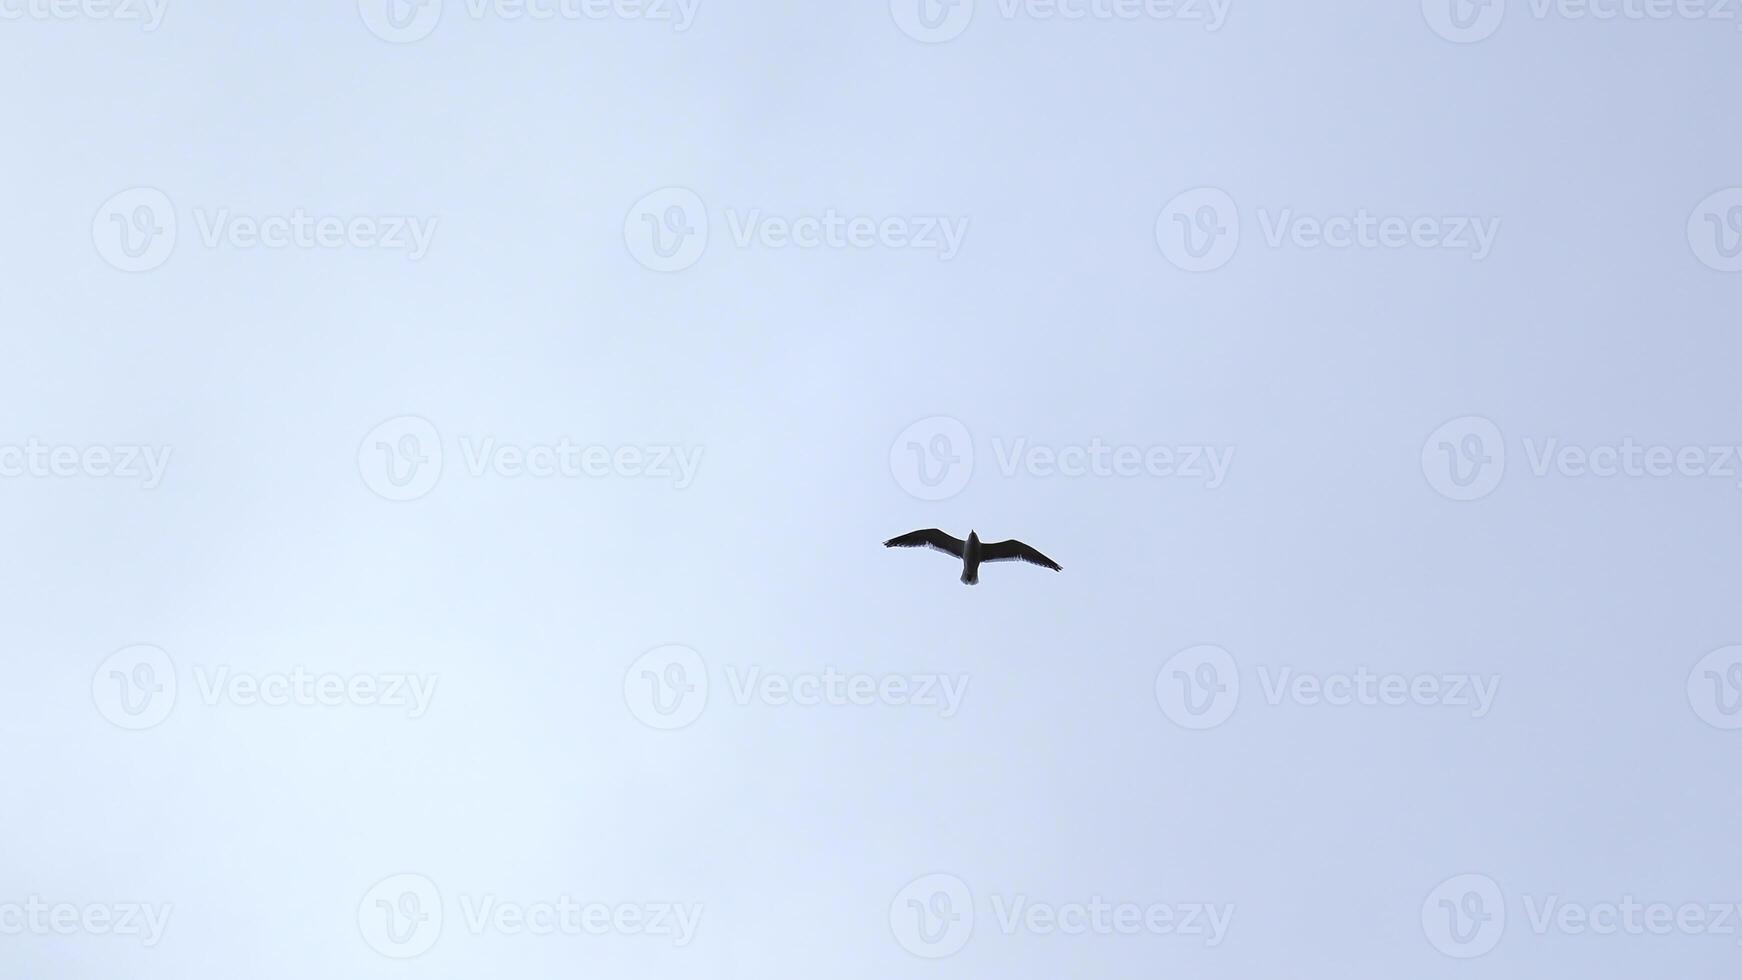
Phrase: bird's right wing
{"type": "Point", "coordinates": [931, 537]}
{"type": "Point", "coordinates": [1017, 551]}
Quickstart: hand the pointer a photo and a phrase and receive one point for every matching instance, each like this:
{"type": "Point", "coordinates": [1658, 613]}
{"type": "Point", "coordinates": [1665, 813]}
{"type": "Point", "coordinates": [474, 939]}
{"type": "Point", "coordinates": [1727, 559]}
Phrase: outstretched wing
{"type": "Point", "coordinates": [1016, 551]}
{"type": "Point", "coordinates": [931, 537]}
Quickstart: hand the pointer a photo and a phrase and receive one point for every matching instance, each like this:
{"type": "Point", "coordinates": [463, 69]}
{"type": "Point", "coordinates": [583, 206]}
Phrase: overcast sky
{"type": "Point", "coordinates": [444, 455]}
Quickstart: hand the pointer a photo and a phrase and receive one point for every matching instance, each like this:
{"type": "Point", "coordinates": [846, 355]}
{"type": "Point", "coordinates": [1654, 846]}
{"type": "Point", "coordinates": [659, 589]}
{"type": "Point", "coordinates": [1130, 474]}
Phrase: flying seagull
{"type": "Point", "coordinates": [971, 551]}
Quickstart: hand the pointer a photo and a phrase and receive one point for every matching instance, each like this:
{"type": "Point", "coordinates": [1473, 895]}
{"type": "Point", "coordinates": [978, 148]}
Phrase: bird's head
{"type": "Point", "coordinates": [973, 537]}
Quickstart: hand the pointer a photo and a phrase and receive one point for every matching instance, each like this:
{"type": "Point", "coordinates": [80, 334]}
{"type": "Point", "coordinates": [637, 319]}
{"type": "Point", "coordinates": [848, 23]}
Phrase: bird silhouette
{"type": "Point", "coordinates": [972, 551]}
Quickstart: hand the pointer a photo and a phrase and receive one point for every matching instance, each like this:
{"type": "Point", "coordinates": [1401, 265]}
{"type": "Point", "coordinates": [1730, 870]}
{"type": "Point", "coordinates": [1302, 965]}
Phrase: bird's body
{"type": "Point", "coordinates": [971, 560]}
{"type": "Point", "coordinates": [973, 552]}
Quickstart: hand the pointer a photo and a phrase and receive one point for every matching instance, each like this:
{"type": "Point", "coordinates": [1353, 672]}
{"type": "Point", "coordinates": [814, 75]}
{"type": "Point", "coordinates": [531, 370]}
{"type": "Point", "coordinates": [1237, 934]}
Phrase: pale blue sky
{"type": "Point", "coordinates": [524, 149]}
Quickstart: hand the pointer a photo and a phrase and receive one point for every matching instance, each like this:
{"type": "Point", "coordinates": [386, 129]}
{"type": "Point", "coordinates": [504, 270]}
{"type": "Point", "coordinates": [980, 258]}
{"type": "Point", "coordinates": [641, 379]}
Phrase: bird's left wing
{"type": "Point", "coordinates": [931, 537]}
{"type": "Point", "coordinates": [1016, 551]}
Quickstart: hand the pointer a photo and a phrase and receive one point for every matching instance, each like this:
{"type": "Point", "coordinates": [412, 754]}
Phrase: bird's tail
{"type": "Point", "coordinates": [971, 576]}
